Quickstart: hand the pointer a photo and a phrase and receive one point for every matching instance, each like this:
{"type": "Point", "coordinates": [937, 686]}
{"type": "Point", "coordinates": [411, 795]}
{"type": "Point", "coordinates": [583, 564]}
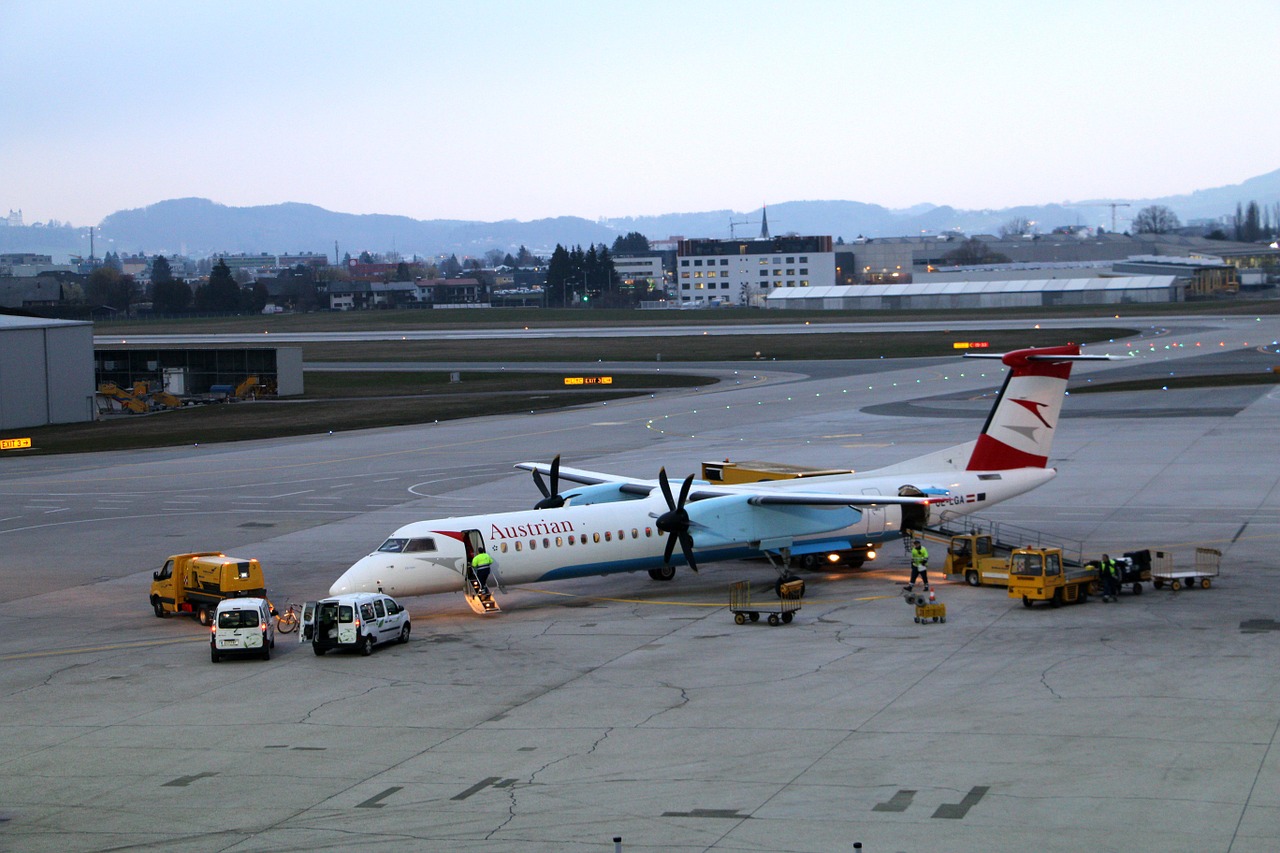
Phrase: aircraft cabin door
{"type": "Point", "coordinates": [476, 589]}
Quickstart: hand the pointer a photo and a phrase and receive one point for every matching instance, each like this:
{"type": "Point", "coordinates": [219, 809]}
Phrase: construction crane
{"type": "Point", "coordinates": [734, 223]}
{"type": "Point", "coordinates": [1111, 204]}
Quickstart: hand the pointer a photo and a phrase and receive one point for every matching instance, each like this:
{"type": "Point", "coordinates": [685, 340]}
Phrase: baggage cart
{"type": "Point", "coordinates": [779, 609]}
{"type": "Point", "coordinates": [1208, 565]}
{"type": "Point", "coordinates": [935, 612]}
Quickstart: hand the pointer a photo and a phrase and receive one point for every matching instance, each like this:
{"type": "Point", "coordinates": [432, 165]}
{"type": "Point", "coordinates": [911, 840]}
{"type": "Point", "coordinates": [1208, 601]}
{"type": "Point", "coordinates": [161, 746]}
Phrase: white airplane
{"type": "Point", "coordinates": [609, 524]}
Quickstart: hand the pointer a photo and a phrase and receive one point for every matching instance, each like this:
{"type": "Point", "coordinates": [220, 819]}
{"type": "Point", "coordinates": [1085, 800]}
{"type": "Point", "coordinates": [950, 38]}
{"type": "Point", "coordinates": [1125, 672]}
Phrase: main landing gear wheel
{"type": "Point", "coordinates": [665, 573]}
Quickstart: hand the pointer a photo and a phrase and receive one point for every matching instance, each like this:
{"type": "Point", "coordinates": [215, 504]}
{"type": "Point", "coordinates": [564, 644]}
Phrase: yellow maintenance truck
{"type": "Point", "coordinates": [195, 583]}
{"type": "Point", "coordinates": [1039, 574]}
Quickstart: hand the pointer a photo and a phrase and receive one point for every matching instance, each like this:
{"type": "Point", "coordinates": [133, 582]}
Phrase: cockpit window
{"type": "Point", "coordinates": [414, 546]}
{"type": "Point", "coordinates": [393, 546]}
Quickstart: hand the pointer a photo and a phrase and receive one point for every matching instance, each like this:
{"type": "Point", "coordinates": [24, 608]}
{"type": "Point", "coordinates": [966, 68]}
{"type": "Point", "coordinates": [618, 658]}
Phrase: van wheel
{"type": "Point", "coordinates": [366, 645]}
{"type": "Point", "coordinates": [159, 609]}
{"type": "Point", "coordinates": [318, 650]}
{"type": "Point", "coordinates": [404, 633]}
{"type": "Point", "coordinates": [266, 652]}
{"type": "Point", "coordinates": [213, 656]}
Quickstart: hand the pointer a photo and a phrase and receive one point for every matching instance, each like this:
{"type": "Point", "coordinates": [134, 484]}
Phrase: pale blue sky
{"type": "Point", "coordinates": [522, 110]}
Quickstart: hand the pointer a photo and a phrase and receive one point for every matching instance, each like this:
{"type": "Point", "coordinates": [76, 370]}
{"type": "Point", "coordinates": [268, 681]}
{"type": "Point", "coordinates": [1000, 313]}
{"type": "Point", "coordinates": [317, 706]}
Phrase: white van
{"type": "Point", "coordinates": [242, 626]}
{"type": "Point", "coordinates": [357, 621]}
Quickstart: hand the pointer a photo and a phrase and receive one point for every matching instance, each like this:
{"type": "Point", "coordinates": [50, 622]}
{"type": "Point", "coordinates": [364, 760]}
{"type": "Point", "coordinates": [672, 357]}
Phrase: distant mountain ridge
{"type": "Point", "coordinates": [200, 227]}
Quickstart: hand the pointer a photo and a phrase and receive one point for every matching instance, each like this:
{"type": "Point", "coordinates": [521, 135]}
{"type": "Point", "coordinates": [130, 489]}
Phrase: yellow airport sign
{"type": "Point", "coordinates": [588, 380]}
{"type": "Point", "coordinates": [970, 344]}
{"type": "Point", "coordinates": [15, 443]}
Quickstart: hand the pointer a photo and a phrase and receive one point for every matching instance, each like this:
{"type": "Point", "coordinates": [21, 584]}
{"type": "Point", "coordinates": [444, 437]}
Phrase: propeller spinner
{"type": "Point", "coordinates": [675, 521]}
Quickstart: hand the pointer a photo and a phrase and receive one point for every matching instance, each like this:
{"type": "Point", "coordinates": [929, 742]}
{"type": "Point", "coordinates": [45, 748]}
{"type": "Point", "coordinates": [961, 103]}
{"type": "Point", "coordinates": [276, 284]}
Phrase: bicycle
{"type": "Point", "coordinates": [287, 620]}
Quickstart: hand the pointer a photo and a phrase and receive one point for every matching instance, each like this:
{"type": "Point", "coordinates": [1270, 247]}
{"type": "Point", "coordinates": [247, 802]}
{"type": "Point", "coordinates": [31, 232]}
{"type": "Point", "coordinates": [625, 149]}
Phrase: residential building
{"type": "Point", "coordinates": [743, 272]}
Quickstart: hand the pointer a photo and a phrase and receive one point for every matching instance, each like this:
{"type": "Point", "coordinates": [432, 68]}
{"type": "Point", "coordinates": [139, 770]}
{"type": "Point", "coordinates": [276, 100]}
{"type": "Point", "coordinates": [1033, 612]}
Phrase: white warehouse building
{"type": "Point", "coordinates": [46, 372]}
{"type": "Point", "coordinates": [984, 294]}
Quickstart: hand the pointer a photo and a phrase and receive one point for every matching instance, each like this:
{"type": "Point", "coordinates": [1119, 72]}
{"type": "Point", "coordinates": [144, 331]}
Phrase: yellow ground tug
{"type": "Point", "coordinates": [1039, 574]}
{"type": "Point", "coordinates": [195, 583]}
{"type": "Point", "coordinates": [977, 558]}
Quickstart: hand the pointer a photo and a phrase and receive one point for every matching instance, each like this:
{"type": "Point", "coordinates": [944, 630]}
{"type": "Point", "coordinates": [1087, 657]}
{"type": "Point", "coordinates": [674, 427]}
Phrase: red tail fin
{"type": "Point", "coordinates": [1019, 431]}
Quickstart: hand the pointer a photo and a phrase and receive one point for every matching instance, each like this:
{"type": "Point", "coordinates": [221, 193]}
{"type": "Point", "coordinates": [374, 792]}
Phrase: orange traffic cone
{"type": "Point", "coordinates": [932, 600]}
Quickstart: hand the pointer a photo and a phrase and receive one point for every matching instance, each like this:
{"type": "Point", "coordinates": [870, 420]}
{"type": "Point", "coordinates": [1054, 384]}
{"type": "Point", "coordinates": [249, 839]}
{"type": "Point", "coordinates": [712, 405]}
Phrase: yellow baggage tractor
{"type": "Point", "coordinates": [780, 609]}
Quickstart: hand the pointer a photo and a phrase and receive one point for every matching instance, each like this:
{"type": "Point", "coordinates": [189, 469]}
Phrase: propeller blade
{"type": "Point", "coordinates": [666, 488]}
{"type": "Point", "coordinates": [551, 497]}
{"type": "Point", "coordinates": [671, 546]}
{"type": "Point", "coordinates": [542, 487]}
{"type": "Point", "coordinates": [686, 545]}
{"type": "Point", "coordinates": [684, 491]}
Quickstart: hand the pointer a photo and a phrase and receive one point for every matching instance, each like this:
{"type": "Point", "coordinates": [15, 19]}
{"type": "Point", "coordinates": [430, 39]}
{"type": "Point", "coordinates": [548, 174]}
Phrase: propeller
{"type": "Point", "coordinates": [675, 521]}
{"type": "Point", "coordinates": [551, 497]}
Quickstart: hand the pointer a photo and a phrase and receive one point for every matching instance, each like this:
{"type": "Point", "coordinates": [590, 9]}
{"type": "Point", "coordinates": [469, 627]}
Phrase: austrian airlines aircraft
{"type": "Point", "coordinates": [608, 524]}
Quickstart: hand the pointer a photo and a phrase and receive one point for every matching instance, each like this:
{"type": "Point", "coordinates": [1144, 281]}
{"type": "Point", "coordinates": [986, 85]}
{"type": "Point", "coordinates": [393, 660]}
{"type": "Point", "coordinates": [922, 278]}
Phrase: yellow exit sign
{"type": "Point", "coordinates": [971, 345]}
{"type": "Point", "coordinates": [15, 443]}
{"type": "Point", "coordinates": [588, 380]}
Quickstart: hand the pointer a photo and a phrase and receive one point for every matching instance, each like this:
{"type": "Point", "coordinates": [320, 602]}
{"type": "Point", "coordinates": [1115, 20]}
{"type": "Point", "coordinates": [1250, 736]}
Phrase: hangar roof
{"type": "Point", "coordinates": [942, 288]}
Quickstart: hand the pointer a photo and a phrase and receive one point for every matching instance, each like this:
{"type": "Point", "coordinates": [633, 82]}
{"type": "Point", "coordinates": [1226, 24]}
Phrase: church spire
{"type": "Point", "coordinates": [764, 222]}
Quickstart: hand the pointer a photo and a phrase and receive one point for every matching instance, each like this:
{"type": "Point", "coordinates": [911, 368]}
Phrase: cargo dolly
{"type": "Point", "coordinates": [780, 609]}
{"type": "Point", "coordinates": [1208, 566]}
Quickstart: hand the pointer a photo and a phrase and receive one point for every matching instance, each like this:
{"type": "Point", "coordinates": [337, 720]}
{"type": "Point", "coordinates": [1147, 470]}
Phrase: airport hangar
{"type": "Point", "coordinates": [50, 370]}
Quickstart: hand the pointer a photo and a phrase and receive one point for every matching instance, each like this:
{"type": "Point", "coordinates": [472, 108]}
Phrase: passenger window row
{"type": "Point", "coordinates": [575, 539]}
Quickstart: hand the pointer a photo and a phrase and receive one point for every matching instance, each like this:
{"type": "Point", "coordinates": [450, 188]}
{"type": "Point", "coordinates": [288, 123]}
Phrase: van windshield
{"type": "Point", "coordinates": [238, 619]}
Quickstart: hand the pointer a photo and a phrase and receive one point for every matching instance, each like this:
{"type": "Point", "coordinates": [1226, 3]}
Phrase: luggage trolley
{"type": "Point", "coordinates": [780, 610]}
{"type": "Point", "coordinates": [1208, 566]}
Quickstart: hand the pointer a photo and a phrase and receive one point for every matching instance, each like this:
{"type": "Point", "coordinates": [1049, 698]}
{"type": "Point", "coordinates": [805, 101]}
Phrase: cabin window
{"type": "Point", "coordinates": [608, 536]}
{"type": "Point", "coordinates": [570, 538]}
{"type": "Point", "coordinates": [378, 608]}
{"type": "Point", "coordinates": [533, 544]}
{"type": "Point", "coordinates": [503, 547]}
{"type": "Point", "coordinates": [366, 612]}
{"type": "Point", "coordinates": [648, 533]}
{"type": "Point", "coordinates": [559, 542]}
{"type": "Point", "coordinates": [635, 534]}
{"type": "Point", "coordinates": [518, 546]}
{"type": "Point", "coordinates": [595, 537]}
{"type": "Point", "coordinates": [546, 543]}
{"type": "Point", "coordinates": [622, 534]}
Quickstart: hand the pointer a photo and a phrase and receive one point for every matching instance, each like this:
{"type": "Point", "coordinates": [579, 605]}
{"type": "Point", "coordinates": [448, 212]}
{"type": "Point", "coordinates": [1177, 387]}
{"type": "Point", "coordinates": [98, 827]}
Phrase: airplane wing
{"type": "Point", "coordinates": [701, 490]}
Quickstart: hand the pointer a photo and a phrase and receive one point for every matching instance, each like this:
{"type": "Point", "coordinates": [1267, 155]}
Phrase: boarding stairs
{"type": "Point", "coordinates": [478, 595]}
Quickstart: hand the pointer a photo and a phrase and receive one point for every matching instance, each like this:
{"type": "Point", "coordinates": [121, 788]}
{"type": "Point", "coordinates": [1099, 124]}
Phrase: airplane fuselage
{"type": "Point", "coordinates": [536, 546]}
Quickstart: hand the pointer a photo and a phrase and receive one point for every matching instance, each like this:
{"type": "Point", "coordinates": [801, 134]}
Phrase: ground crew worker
{"type": "Point", "coordinates": [482, 565]}
{"type": "Point", "coordinates": [1110, 579]}
{"type": "Point", "coordinates": [919, 565]}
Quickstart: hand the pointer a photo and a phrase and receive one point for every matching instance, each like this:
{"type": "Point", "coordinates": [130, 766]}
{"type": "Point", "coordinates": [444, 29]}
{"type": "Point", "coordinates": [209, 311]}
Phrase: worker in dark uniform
{"type": "Point", "coordinates": [919, 565]}
{"type": "Point", "coordinates": [1110, 578]}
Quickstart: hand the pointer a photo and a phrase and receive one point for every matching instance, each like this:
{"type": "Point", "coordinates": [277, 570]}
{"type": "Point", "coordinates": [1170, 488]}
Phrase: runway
{"type": "Point", "coordinates": [621, 707]}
